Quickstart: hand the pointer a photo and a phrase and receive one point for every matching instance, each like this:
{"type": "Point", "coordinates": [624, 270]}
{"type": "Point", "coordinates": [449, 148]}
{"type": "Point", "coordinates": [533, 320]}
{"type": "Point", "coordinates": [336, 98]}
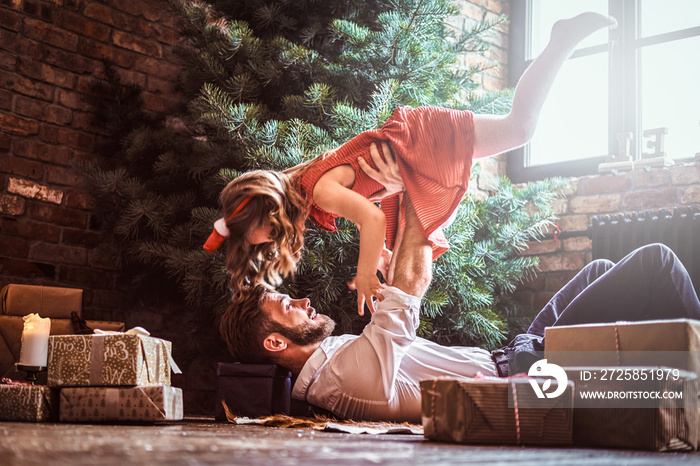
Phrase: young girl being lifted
{"type": "Point", "coordinates": [264, 212]}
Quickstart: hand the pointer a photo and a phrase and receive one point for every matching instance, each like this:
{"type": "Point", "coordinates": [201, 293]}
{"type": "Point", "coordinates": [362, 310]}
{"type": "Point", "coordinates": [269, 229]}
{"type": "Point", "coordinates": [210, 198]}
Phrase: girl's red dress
{"type": "Point", "coordinates": [433, 148]}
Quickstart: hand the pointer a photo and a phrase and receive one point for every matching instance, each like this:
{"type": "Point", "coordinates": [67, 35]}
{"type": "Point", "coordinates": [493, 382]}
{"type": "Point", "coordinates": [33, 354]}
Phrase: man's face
{"type": "Point", "coordinates": [299, 321]}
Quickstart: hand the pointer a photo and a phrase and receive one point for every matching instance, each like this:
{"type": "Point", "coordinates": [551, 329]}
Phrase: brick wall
{"type": "Point", "coordinates": [624, 192]}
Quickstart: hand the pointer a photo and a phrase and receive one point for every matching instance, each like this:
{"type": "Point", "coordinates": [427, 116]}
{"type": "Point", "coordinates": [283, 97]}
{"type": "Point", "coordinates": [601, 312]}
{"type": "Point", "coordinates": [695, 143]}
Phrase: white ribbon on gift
{"type": "Point", "coordinates": [141, 332]}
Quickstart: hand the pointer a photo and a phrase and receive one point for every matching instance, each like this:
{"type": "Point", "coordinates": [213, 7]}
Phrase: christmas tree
{"type": "Point", "coordinates": [271, 83]}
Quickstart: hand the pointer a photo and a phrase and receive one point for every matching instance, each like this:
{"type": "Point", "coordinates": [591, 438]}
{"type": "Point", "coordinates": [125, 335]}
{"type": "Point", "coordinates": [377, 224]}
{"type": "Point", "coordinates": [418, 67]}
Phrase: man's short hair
{"type": "Point", "coordinates": [245, 325]}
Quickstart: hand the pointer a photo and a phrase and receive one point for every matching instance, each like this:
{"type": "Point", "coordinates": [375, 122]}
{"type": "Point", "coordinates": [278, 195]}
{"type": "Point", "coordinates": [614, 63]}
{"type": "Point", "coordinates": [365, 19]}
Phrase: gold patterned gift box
{"type": "Point", "coordinates": [109, 360]}
{"type": "Point", "coordinates": [31, 403]}
{"type": "Point", "coordinates": [130, 404]}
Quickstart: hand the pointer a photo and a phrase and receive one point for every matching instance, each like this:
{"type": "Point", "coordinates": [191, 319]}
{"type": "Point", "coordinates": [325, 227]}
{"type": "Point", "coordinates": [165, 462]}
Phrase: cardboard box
{"type": "Point", "coordinates": [627, 415]}
{"type": "Point", "coordinates": [484, 412]}
{"type": "Point", "coordinates": [133, 404]}
{"type": "Point", "coordinates": [673, 343]}
{"type": "Point", "coordinates": [11, 341]}
{"type": "Point", "coordinates": [108, 360]}
{"type": "Point", "coordinates": [29, 403]}
{"type": "Point", "coordinates": [252, 390]}
{"type": "Point", "coordinates": [47, 301]}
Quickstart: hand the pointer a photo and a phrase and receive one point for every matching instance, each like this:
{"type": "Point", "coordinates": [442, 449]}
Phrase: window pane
{"type": "Point", "coordinates": [546, 12]}
{"type": "Point", "coordinates": [574, 120]}
{"type": "Point", "coordinates": [659, 16]}
{"type": "Point", "coordinates": [671, 95]}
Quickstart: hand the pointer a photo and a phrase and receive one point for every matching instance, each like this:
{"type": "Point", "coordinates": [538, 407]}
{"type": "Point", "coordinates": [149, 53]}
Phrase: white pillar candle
{"type": "Point", "coordinates": [35, 341]}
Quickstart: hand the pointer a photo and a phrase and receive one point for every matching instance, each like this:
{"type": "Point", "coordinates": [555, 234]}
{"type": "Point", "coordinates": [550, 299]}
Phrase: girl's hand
{"type": "Point", "coordinates": [368, 287]}
{"type": "Point", "coordinates": [387, 173]}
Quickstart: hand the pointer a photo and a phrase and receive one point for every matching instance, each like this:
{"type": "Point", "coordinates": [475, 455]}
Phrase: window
{"type": "Point", "coordinates": [618, 85]}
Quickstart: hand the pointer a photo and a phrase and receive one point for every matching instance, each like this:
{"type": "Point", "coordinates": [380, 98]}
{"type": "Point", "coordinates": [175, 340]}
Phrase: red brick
{"type": "Point", "coordinates": [57, 253]}
{"type": "Point", "coordinates": [555, 281]}
{"type": "Point", "coordinates": [5, 143]}
{"type": "Point", "coordinates": [20, 45]}
{"type": "Point", "coordinates": [107, 15]}
{"type": "Point", "coordinates": [85, 238]}
{"type": "Point", "coordinates": [85, 121]}
{"type": "Point", "coordinates": [653, 177]}
{"type": "Point", "coordinates": [21, 167]}
{"type": "Point", "coordinates": [67, 137]}
{"type": "Point", "coordinates": [70, 61]}
{"type": "Point", "coordinates": [26, 86]}
{"type": "Point", "coordinates": [13, 246]}
{"type": "Point", "coordinates": [50, 34]}
{"type": "Point", "coordinates": [43, 112]}
{"type": "Point", "coordinates": [151, 12]}
{"type": "Point", "coordinates": [11, 124]}
{"type": "Point", "coordinates": [65, 176]}
{"type": "Point", "coordinates": [159, 68]}
{"type": "Point", "coordinates": [133, 7]}
{"type": "Point", "coordinates": [5, 100]}
{"type": "Point", "coordinates": [131, 77]}
{"type": "Point", "coordinates": [107, 299]}
{"type": "Point", "coordinates": [595, 204]}
{"type": "Point", "coordinates": [78, 200]}
{"type": "Point", "coordinates": [651, 198]}
{"type": "Point", "coordinates": [691, 195]}
{"type": "Point", "coordinates": [158, 103]}
{"type": "Point", "coordinates": [19, 268]}
{"type": "Point", "coordinates": [137, 44]}
{"type": "Point", "coordinates": [100, 51]}
{"type": "Point", "coordinates": [686, 174]}
{"type": "Point", "coordinates": [42, 10]}
{"type": "Point", "coordinates": [84, 26]}
{"type": "Point", "coordinates": [8, 60]}
{"type": "Point", "coordinates": [11, 205]}
{"type": "Point", "coordinates": [535, 248]}
{"type": "Point", "coordinates": [9, 20]}
{"type": "Point", "coordinates": [72, 100]}
{"type": "Point", "coordinates": [57, 215]}
{"type": "Point", "coordinates": [39, 151]}
{"type": "Point", "coordinates": [29, 229]}
{"type": "Point", "coordinates": [604, 184]}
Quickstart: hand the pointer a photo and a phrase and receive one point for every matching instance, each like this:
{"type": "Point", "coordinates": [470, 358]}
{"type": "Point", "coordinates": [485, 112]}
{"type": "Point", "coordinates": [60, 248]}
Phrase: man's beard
{"type": "Point", "coordinates": [309, 334]}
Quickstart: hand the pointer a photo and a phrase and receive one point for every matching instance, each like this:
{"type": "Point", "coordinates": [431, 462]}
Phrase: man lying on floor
{"type": "Point", "coordinates": [376, 375]}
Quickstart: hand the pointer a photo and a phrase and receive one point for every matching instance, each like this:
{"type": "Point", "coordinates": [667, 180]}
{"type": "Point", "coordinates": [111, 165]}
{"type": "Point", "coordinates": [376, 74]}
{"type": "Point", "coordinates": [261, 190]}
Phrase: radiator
{"type": "Point", "coordinates": [614, 236]}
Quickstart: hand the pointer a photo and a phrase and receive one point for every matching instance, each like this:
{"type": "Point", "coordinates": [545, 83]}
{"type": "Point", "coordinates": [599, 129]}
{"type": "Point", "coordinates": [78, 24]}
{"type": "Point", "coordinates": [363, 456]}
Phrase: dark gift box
{"type": "Point", "coordinates": [29, 403]}
{"type": "Point", "coordinates": [252, 390]}
{"type": "Point", "coordinates": [634, 409]}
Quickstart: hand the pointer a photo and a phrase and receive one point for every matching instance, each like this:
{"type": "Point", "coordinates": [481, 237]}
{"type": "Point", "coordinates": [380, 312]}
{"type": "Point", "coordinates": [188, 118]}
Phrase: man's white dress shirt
{"type": "Point", "coordinates": [376, 375]}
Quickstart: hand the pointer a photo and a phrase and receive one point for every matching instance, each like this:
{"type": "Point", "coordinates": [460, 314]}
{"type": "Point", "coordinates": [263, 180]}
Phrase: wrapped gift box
{"type": "Point", "coordinates": [484, 412]}
{"type": "Point", "coordinates": [11, 341]}
{"type": "Point", "coordinates": [673, 343]}
{"type": "Point", "coordinates": [108, 360]}
{"type": "Point", "coordinates": [132, 404]}
{"type": "Point", "coordinates": [252, 390]}
{"type": "Point", "coordinates": [31, 403]}
{"type": "Point", "coordinates": [633, 419]}
{"type": "Point", "coordinates": [47, 301]}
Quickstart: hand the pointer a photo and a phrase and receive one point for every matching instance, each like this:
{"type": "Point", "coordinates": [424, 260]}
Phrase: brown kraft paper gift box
{"type": "Point", "coordinates": [11, 341]}
{"type": "Point", "coordinates": [29, 403]}
{"type": "Point", "coordinates": [635, 421]}
{"type": "Point", "coordinates": [47, 301]}
{"type": "Point", "coordinates": [108, 360]}
{"type": "Point", "coordinates": [132, 404]}
{"type": "Point", "coordinates": [483, 412]}
{"type": "Point", "coordinates": [672, 343]}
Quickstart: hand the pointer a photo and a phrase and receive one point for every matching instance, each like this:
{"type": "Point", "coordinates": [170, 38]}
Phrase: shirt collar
{"type": "Point", "coordinates": [313, 365]}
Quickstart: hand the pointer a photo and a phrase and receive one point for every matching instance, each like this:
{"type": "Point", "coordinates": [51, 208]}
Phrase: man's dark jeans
{"type": "Point", "coordinates": [650, 283]}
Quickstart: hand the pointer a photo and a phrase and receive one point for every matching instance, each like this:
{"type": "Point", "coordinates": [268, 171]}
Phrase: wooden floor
{"type": "Point", "coordinates": [203, 441]}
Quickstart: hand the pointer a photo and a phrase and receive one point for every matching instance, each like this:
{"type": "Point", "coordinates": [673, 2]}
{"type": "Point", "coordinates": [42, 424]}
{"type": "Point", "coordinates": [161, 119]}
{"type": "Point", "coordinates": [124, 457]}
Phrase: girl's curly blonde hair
{"type": "Point", "coordinates": [275, 198]}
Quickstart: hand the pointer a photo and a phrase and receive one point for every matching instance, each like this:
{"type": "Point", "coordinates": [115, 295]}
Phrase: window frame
{"type": "Point", "coordinates": [624, 90]}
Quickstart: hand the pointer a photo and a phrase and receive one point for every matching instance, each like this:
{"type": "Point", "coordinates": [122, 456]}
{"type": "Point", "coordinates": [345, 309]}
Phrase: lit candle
{"type": "Point", "coordinates": [35, 341]}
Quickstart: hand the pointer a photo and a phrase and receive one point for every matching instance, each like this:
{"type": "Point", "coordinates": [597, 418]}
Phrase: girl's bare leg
{"type": "Point", "coordinates": [498, 133]}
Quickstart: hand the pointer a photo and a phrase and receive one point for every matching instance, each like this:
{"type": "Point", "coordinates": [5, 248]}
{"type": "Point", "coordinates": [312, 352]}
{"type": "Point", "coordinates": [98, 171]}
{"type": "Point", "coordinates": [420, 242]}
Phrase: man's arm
{"type": "Point", "coordinates": [414, 258]}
